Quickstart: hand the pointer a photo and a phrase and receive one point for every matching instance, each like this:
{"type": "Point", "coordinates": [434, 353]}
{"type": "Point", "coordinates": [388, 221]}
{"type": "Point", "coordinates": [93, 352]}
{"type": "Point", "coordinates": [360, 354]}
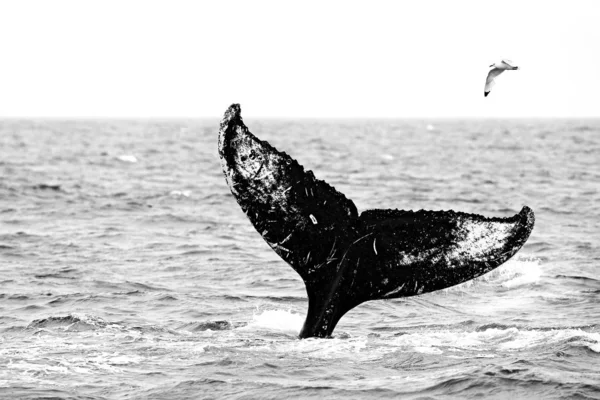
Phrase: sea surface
{"type": "Point", "coordinates": [128, 271]}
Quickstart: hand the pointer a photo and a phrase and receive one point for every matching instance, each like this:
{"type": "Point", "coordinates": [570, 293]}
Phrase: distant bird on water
{"type": "Point", "coordinates": [496, 70]}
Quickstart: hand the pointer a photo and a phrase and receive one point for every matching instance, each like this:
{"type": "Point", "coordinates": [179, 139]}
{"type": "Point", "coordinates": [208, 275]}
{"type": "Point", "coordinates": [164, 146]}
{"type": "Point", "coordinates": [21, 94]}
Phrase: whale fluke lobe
{"type": "Point", "coordinates": [345, 258]}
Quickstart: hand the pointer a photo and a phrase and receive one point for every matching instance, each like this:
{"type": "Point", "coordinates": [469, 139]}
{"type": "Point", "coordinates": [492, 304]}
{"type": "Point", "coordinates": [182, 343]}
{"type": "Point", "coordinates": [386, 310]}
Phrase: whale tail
{"type": "Point", "coordinates": [345, 258]}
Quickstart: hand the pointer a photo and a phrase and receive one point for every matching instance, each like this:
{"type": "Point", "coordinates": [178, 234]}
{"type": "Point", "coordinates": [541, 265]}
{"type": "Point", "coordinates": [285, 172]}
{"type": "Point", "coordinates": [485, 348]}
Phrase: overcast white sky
{"type": "Point", "coordinates": [298, 59]}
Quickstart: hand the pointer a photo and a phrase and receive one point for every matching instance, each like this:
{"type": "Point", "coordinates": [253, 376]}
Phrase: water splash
{"type": "Point", "coordinates": [514, 273]}
{"type": "Point", "coordinates": [521, 272]}
{"type": "Point", "coordinates": [277, 320]}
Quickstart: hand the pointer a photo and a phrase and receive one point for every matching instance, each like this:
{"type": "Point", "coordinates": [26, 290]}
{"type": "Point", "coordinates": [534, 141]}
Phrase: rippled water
{"type": "Point", "coordinates": [127, 270]}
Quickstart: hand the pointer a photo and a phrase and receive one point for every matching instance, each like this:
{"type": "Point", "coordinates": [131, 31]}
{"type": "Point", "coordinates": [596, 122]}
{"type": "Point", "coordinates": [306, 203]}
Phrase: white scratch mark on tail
{"type": "Point", "coordinates": [394, 291]}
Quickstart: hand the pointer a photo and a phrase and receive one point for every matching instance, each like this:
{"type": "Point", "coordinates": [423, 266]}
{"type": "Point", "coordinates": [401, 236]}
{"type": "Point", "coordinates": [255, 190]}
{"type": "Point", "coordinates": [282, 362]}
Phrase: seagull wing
{"type": "Point", "coordinates": [489, 82]}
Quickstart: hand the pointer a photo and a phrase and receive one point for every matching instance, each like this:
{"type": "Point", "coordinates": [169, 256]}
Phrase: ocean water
{"type": "Point", "coordinates": [128, 271]}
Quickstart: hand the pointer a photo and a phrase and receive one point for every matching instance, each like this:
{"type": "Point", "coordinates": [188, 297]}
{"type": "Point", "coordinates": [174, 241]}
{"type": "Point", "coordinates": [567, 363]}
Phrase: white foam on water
{"type": "Point", "coordinates": [288, 322]}
{"type": "Point", "coordinates": [427, 350]}
{"type": "Point", "coordinates": [328, 348]}
{"type": "Point", "coordinates": [180, 193]}
{"type": "Point", "coordinates": [320, 348]}
{"type": "Point", "coordinates": [492, 340]}
{"type": "Point", "coordinates": [122, 359]}
{"type": "Point", "coordinates": [277, 320]}
{"type": "Point", "coordinates": [480, 344]}
{"type": "Point", "coordinates": [129, 158]}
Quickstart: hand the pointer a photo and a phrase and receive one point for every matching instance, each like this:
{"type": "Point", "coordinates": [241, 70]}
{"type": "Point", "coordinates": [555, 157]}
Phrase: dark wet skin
{"type": "Point", "coordinates": [345, 258]}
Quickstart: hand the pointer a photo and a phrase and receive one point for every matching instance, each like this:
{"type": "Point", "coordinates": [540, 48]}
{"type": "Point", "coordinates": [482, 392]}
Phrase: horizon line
{"type": "Point", "coordinates": [131, 117]}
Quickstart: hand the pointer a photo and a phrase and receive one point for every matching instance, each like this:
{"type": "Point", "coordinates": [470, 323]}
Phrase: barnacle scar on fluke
{"type": "Point", "coordinates": [345, 258]}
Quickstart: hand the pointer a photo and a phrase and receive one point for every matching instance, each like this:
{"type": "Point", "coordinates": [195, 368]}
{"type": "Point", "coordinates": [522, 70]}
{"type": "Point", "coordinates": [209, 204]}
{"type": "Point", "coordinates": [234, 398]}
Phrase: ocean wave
{"type": "Point", "coordinates": [229, 311]}
{"type": "Point", "coordinates": [578, 278]}
{"type": "Point", "coordinates": [71, 322]}
{"type": "Point", "coordinates": [488, 338]}
{"type": "Point", "coordinates": [494, 339]}
{"type": "Point", "coordinates": [216, 325]}
{"type": "Point", "coordinates": [47, 186]}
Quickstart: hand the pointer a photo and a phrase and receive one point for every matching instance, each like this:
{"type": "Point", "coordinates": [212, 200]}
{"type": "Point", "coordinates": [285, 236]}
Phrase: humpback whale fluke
{"type": "Point", "coordinates": [345, 258]}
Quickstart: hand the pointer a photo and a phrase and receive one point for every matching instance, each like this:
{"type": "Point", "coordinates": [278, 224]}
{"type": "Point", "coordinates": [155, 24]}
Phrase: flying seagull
{"type": "Point", "coordinates": [496, 70]}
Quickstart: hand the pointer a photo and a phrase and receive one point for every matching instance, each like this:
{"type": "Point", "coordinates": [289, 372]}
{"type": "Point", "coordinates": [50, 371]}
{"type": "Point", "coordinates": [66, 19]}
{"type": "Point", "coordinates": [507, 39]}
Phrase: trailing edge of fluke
{"type": "Point", "coordinates": [345, 258]}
